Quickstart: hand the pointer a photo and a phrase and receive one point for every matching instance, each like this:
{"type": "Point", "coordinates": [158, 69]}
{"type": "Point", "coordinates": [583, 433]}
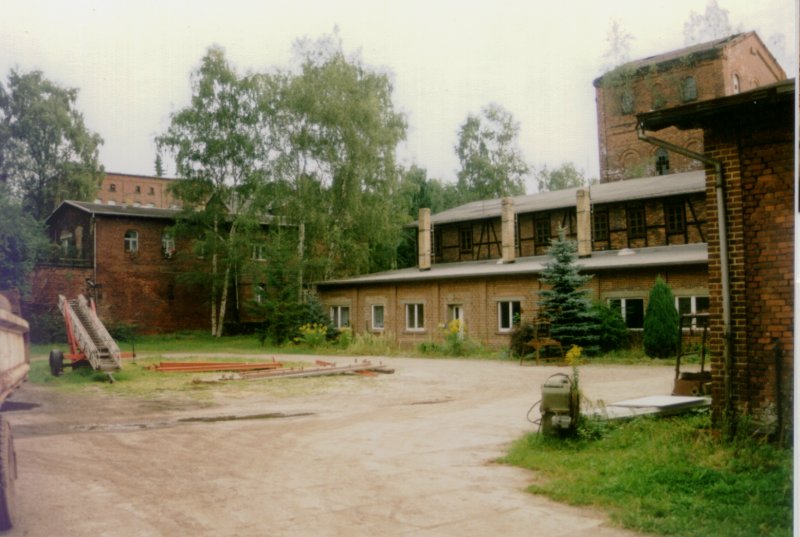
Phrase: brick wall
{"type": "Point", "coordinates": [479, 297]}
{"type": "Point", "coordinates": [757, 155]}
{"type": "Point", "coordinates": [658, 86]}
{"type": "Point", "coordinates": [144, 190]}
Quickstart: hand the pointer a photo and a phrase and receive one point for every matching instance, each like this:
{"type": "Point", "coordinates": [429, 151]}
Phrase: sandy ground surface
{"type": "Point", "coordinates": [410, 453]}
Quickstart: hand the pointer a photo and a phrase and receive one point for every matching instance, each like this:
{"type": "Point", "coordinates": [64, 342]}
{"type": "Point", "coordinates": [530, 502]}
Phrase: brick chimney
{"type": "Point", "coordinates": [584, 210]}
{"type": "Point", "coordinates": [507, 231]}
{"type": "Point", "coordinates": [424, 241]}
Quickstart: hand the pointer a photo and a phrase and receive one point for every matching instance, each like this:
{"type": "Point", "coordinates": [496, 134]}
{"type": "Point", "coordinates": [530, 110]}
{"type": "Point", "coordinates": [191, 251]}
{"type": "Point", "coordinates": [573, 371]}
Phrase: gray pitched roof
{"type": "Point", "coordinates": [660, 256]}
{"type": "Point", "coordinates": [118, 210]}
{"type": "Point", "coordinates": [700, 50]}
{"type": "Point", "coordinates": [632, 189]}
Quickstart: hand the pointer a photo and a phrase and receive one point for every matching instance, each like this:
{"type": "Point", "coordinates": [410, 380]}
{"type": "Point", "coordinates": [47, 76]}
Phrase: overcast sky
{"type": "Point", "coordinates": [537, 58]}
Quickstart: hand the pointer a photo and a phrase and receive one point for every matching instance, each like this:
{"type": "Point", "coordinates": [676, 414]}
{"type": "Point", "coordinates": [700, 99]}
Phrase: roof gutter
{"type": "Point", "coordinates": [719, 188]}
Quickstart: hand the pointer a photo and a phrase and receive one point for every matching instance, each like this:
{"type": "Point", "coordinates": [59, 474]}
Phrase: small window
{"type": "Point", "coordinates": [151, 191]}
{"type": "Point", "coordinates": [455, 311]}
{"type": "Point", "coordinates": [675, 215]}
{"type": "Point", "coordinates": [508, 314]}
{"type": "Point", "coordinates": [600, 224]}
{"type": "Point", "coordinates": [736, 84]}
{"type": "Point", "coordinates": [687, 305]}
{"type": "Point", "coordinates": [465, 240]}
{"type": "Point", "coordinates": [340, 316]}
{"type": "Point", "coordinates": [689, 89]}
{"type": "Point", "coordinates": [631, 309]}
{"type": "Point", "coordinates": [377, 316]}
{"type": "Point", "coordinates": [541, 231]}
{"type": "Point", "coordinates": [637, 228]}
{"type": "Point", "coordinates": [138, 189]}
{"type": "Point", "coordinates": [662, 161]}
{"type": "Point", "coordinates": [167, 245]}
{"type": "Point", "coordinates": [259, 293]}
{"type": "Point", "coordinates": [259, 252]}
{"type": "Point", "coordinates": [131, 241]}
{"type": "Point", "coordinates": [112, 187]}
{"type": "Point", "coordinates": [67, 240]}
{"type": "Point", "coordinates": [437, 242]}
{"type": "Point", "coordinates": [415, 317]}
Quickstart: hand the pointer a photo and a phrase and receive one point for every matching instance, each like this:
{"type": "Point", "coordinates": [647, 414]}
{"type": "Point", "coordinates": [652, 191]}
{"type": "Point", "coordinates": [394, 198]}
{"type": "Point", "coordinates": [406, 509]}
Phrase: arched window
{"type": "Point", "coordinates": [689, 89]}
{"type": "Point", "coordinates": [131, 241]}
{"type": "Point", "coordinates": [736, 84]}
{"type": "Point", "coordinates": [662, 161]}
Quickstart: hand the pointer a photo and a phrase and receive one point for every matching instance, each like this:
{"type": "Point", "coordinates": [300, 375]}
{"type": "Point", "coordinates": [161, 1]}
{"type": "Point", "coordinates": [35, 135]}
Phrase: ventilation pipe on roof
{"type": "Point", "coordinates": [719, 188]}
{"type": "Point", "coordinates": [583, 204]}
{"type": "Point", "coordinates": [507, 230]}
{"type": "Point", "coordinates": [424, 240]}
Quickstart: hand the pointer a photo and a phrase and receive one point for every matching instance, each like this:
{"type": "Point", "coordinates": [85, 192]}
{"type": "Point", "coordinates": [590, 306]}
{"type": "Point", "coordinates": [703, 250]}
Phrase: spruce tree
{"type": "Point", "coordinates": [565, 304]}
{"type": "Point", "coordinates": [661, 322]}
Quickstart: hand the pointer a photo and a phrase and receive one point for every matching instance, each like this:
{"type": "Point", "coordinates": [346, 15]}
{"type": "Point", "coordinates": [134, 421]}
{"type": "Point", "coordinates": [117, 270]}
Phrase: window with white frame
{"type": "Point", "coordinates": [167, 245]}
{"type": "Point", "coordinates": [259, 252]}
{"type": "Point", "coordinates": [415, 317]}
{"type": "Point", "coordinates": [340, 316]}
{"type": "Point", "coordinates": [131, 241]}
{"type": "Point", "coordinates": [508, 313]}
{"type": "Point", "coordinates": [692, 305]}
{"type": "Point", "coordinates": [259, 293]}
{"type": "Point", "coordinates": [377, 316]}
{"type": "Point", "coordinates": [631, 309]}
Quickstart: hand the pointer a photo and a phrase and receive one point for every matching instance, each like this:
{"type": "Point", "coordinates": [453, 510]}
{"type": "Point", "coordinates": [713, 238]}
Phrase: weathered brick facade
{"type": "Point", "coordinates": [752, 137]}
{"type": "Point", "coordinates": [136, 286]}
{"type": "Point", "coordinates": [136, 191]}
{"type": "Point", "coordinates": [708, 71]}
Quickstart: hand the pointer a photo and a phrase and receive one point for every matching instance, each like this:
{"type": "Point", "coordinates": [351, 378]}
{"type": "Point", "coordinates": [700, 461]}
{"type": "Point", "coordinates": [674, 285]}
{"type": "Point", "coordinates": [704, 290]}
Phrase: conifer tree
{"type": "Point", "coordinates": [661, 322]}
{"type": "Point", "coordinates": [566, 302]}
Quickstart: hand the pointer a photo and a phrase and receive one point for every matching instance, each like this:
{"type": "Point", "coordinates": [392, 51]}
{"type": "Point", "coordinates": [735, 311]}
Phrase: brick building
{"type": "Point", "coordinates": [749, 149]}
{"type": "Point", "coordinates": [127, 259]}
{"type": "Point", "coordinates": [486, 265]}
{"type": "Point", "coordinates": [136, 191]}
{"type": "Point", "coordinates": [701, 72]}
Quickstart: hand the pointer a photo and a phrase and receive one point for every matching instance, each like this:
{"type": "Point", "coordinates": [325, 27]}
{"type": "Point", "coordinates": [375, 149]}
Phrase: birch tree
{"type": "Point", "coordinates": [215, 144]}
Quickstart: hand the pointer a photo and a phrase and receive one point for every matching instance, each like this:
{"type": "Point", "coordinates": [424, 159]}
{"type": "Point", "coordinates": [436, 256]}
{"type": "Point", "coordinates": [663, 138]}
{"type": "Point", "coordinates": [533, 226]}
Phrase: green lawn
{"type": "Point", "coordinates": [667, 477]}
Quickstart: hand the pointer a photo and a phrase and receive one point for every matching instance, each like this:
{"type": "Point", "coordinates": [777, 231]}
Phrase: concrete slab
{"type": "Point", "coordinates": [654, 405]}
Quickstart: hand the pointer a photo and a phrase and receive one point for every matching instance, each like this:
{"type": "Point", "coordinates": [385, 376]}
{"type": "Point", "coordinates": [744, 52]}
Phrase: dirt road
{"type": "Point", "coordinates": [393, 455]}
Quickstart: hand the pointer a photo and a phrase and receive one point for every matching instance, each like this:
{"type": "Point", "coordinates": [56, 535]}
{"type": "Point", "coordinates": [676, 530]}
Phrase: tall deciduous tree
{"type": "Point", "coordinates": [215, 144]}
{"type": "Point", "coordinates": [22, 243]}
{"type": "Point", "coordinates": [338, 160]}
{"type": "Point", "coordinates": [711, 24]}
{"type": "Point", "coordinates": [491, 161]}
{"type": "Point", "coordinates": [565, 176]}
{"type": "Point", "coordinates": [47, 154]}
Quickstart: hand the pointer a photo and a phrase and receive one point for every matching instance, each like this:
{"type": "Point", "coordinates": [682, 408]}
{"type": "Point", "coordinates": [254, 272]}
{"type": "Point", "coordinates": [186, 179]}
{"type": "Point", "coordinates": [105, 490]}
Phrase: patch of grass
{"type": "Point", "coordinates": [135, 379]}
{"type": "Point", "coordinates": [667, 477]}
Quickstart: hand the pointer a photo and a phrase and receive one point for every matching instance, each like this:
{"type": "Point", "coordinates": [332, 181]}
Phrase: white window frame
{"type": "Point", "coordinates": [258, 252]}
{"type": "Point", "coordinates": [692, 307]}
{"type": "Point", "coordinates": [418, 309]}
{"type": "Point", "coordinates": [375, 325]}
{"type": "Point", "coordinates": [167, 245]}
{"type": "Point", "coordinates": [623, 308]}
{"type": "Point", "coordinates": [509, 306]}
{"type": "Point", "coordinates": [336, 316]}
{"type": "Point", "coordinates": [131, 241]}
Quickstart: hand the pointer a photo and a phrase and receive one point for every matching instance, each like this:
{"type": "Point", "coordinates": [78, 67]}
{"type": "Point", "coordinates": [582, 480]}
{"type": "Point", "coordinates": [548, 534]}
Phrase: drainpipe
{"type": "Point", "coordinates": [719, 188]}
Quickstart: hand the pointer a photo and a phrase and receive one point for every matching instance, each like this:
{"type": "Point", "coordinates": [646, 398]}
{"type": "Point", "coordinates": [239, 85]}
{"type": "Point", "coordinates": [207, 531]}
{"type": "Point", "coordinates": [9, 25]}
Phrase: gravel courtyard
{"type": "Point", "coordinates": [409, 453]}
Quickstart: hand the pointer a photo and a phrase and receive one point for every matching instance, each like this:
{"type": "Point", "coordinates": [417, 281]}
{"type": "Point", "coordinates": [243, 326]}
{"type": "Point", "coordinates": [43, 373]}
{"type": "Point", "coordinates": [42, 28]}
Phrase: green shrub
{"type": "Point", "coordinates": [522, 333]}
{"type": "Point", "coordinates": [613, 334]}
{"type": "Point", "coordinates": [661, 322]}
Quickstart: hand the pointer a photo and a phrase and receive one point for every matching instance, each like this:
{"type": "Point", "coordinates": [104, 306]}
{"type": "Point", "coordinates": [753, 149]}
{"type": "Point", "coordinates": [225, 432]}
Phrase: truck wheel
{"type": "Point", "coordinates": [56, 362]}
{"type": "Point", "coordinates": [8, 475]}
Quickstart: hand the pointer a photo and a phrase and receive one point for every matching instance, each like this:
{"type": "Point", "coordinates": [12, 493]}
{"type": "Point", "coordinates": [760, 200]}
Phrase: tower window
{"type": "Point", "coordinates": [662, 161]}
{"type": "Point", "coordinates": [689, 89]}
